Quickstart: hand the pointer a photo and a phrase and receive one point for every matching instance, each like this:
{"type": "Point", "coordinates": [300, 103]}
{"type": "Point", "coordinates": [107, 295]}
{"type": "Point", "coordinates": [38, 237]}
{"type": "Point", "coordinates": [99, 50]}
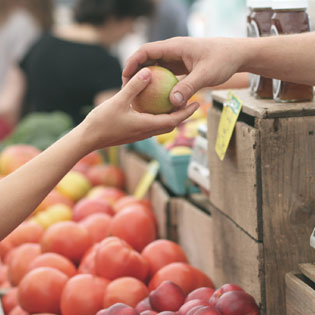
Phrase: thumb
{"type": "Point", "coordinates": [137, 83]}
{"type": "Point", "coordinates": [186, 88]}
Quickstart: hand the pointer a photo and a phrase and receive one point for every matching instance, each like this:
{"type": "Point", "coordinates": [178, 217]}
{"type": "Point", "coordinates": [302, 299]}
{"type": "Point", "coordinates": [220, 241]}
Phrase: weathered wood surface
{"type": "Point", "coordinates": [238, 257]}
{"type": "Point", "coordinates": [288, 200]}
{"type": "Point", "coordinates": [308, 271]}
{"type": "Point", "coordinates": [234, 180]}
{"type": "Point", "coordinates": [266, 108]}
{"type": "Point", "coordinates": [300, 297]}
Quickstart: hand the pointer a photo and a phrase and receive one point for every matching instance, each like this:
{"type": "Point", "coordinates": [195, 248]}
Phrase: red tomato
{"type": "Point", "coordinates": [9, 300]}
{"type": "Point", "coordinates": [125, 290]}
{"type": "Point", "coordinates": [20, 261]}
{"type": "Point", "coordinates": [161, 253]}
{"type": "Point", "coordinates": [135, 227]}
{"type": "Point", "coordinates": [83, 295]}
{"type": "Point", "coordinates": [68, 239]}
{"type": "Point", "coordinates": [201, 279]}
{"type": "Point", "coordinates": [17, 310]}
{"type": "Point", "coordinates": [54, 260]}
{"type": "Point", "coordinates": [87, 264]}
{"type": "Point", "coordinates": [40, 290]}
{"type": "Point", "coordinates": [98, 226]}
{"type": "Point", "coordinates": [115, 258]}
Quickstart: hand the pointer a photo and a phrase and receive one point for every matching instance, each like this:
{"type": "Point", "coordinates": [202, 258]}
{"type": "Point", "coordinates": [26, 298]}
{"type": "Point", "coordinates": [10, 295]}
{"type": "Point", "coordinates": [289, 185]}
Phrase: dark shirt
{"type": "Point", "coordinates": [64, 75]}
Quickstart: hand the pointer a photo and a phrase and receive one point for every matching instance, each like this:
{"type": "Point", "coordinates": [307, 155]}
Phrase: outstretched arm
{"type": "Point", "coordinates": [111, 123]}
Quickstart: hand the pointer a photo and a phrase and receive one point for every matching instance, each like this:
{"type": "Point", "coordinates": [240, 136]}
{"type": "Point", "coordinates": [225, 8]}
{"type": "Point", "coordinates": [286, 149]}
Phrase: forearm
{"type": "Point", "coordinates": [25, 188]}
{"type": "Point", "coordinates": [289, 58]}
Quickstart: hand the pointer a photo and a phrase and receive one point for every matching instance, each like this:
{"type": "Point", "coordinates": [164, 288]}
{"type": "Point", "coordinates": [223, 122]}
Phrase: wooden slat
{"type": "Point", "coordinates": [234, 180]}
{"type": "Point", "coordinates": [194, 234]}
{"type": "Point", "coordinates": [308, 270]}
{"type": "Point", "coordinates": [238, 257]}
{"type": "Point", "coordinates": [288, 199]}
{"type": "Point", "coordinates": [267, 108]}
{"type": "Point", "coordinates": [300, 297]}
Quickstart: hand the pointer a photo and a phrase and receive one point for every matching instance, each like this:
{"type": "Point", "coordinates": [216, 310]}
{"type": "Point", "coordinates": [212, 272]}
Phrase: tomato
{"type": "Point", "coordinates": [161, 253]}
{"type": "Point", "coordinates": [66, 238]}
{"type": "Point", "coordinates": [83, 295]}
{"type": "Point", "coordinates": [97, 225]}
{"type": "Point", "coordinates": [22, 257]}
{"type": "Point", "coordinates": [86, 207]}
{"type": "Point", "coordinates": [87, 264]}
{"type": "Point", "coordinates": [179, 273]}
{"type": "Point", "coordinates": [115, 258]}
{"type": "Point", "coordinates": [17, 310]}
{"type": "Point", "coordinates": [201, 279]}
{"type": "Point", "coordinates": [40, 290]}
{"type": "Point", "coordinates": [54, 260]}
{"type": "Point", "coordinates": [125, 290]}
{"type": "Point", "coordinates": [135, 227]}
{"type": "Point", "coordinates": [9, 300]}
{"type": "Point", "coordinates": [110, 194]}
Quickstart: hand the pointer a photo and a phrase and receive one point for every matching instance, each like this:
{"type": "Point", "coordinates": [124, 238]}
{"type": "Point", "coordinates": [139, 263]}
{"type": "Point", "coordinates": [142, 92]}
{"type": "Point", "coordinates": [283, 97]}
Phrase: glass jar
{"type": "Point", "coordinates": [290, 17]}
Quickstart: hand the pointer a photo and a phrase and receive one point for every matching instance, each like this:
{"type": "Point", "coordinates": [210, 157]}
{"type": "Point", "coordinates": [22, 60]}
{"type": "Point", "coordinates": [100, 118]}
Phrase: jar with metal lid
{"type": "Point", "coordinates": [260, 26]}
{"type": "Point", "coordinates": [290, 17]}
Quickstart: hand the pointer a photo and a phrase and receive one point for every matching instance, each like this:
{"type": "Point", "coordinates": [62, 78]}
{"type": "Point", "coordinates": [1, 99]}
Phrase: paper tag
{"type": "Point", "coordinates": [113, 155]}
{"type": "Point", "coordinates": [147, 179]}
{"type": "Point", "coordinates": [231, 110]}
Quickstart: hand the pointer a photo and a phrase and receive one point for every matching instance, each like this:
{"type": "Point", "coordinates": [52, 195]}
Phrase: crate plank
{"type": "Point", "coordinates": [194, 234]}
{"type": "Point", "coordinates": [300, 297]}
{"type": "Point", "coordinates": [288, 198]}
{"type": "Point", "coordinates": [267, 108]}
{"type": "Point", "coordinates": [308, 270]}
{"type": "Point", "coordinates": [234, 180]}
{"type": "Point", "coordinates": [238, 257]}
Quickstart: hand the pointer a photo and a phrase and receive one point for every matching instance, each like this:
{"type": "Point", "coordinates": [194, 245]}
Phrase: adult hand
{"type": "Point", "coordinates": [206, 62]}
{"type": "Point", "coordinates": [115, 122]}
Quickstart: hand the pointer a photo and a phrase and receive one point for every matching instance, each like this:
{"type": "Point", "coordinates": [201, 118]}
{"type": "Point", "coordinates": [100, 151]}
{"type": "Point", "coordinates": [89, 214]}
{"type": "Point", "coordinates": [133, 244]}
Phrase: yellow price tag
{"type": "Point", "coordinates": [147, 179]}
{"type": "Point", "coordinates": [231, 110]}
{"type": "Point", "coordinates": [113, 155]}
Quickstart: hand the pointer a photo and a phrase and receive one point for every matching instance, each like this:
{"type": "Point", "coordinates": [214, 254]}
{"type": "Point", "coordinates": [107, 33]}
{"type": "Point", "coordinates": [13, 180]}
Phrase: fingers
{"type": "Point", "coordinates": [134, 86]}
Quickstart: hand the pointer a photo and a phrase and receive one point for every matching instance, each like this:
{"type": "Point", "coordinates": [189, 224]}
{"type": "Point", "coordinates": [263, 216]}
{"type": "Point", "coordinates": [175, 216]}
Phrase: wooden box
{"type": "Point", "coordinates": [300, 291]}
{"type": "Point", "coordinates": [191, 228]}
{"type": "Point", "coordinates": [263, 194]}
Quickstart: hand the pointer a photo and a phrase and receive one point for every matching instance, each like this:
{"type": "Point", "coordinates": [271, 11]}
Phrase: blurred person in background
{"type": "Point", "coordinates": [71, 68]}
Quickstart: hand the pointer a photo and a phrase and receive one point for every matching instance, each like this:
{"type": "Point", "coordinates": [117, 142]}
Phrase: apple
{"type": "Point", "coordinates": [223, 289]}
{"type": "Point", "coordinates": [109, 194]}
{"type": "Point", "coordinates": [118, 309]}
{"type": "Point", "coordinates": [168, 296]}
{"type": "Point", "coordinates": [144, 305]}
{"type": "Point", "coordinates": [208, 310]}
{"type": "Point", "coordinates": [167, 313]}
{"type": "Point", "coordinates": [148, 312]}
{"type": "Point", "coordinates": [237, 302]}
{"type": "Point", "coordinates": [203, 293]}
{"type": "Point", "coordinates": [154, 99]}
{"type": "Point", "coordinates": [185, 308]}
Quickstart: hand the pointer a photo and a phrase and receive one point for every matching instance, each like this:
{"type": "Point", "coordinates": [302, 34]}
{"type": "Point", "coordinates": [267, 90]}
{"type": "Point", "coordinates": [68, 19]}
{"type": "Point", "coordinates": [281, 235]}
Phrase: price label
{"type": "Point", "coordinates": [231, 110]}
{"type": "Point", "coordinates": [147, 179]}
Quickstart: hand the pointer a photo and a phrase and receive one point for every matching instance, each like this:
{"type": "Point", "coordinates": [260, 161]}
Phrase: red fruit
{"type": "Point", "coordinates": [10, 300]}
{"type": "Point", "coordinates": [207, 310]}
{"type": "Point", "coordinates": [168, 296]}
{"type": "Point", "coordinates": [20, 261]}
{"type": "Point", "coordinates": [87, 264]}
{"type": "Point", "coordinates": [144, 305]}
{"type": "Point", "coordinates": [118, 309]}
{"type": "Point", "coordinates": [93, 158]}
{"type": "Point", "coordinates": [160, 253]}
{"type": "Point", "coordinates": [237, 302]}
{"type": "Point", "coordinates": [56, 261]}
{"type": "Point", "coordinates": [125, 290]}
{"type": "Point", "coordinates": [203, 293]}
{"type": "Point", "coordinates": [185, 308]}
{"type": "Point", "coordinates": [98, 226]}
{"type": "Point", "coordinates": [83, 295]}
{"type": "Point", "coordinates": [40, 290]}
{"type": "Point", "coordinates": [223, 289]}
{"type": "Point", "coordinates": [17, 310]}
{"type": "Point", "coordinates": [135, 227]}
{"type": "Point", "coordinates": [167, 313]}
{"type": "Point", "coordinates": [68, 239]}
{"type": "Point", "coordinates": [109, 194]}
{"type": "Point", "coordinates": [148, 312]}
{"type": "Point", "coordinates": [106, 175]}
{"type": "Point", "coordinates": [3, 274]}
{"type": "Point", "coordinates": [200, 279]}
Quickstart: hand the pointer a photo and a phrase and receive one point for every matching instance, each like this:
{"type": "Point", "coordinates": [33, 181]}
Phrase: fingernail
{"type": "Point", "coordinates": [144, 74]}
{"type": "Point", "coordinates": [179, 97]}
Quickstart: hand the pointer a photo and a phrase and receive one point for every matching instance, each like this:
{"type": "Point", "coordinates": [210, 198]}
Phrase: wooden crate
{"type": "Point", "coordinates": [300, 291]}
{"type": "Point", "coordinates": [191, 228]}
{"type": "Point", "coordinates": [265, 187]}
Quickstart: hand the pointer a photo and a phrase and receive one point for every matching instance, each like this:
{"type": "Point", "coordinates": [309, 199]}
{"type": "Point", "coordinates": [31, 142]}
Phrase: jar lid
{"type": "Point", "coordinates": [289, 4]}
{"type": "Point", "coordinates": [256, 4]}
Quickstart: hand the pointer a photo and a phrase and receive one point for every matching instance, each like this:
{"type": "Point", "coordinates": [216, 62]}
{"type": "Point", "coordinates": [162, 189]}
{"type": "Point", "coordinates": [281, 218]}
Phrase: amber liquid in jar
{"type": "Point", "coordinates": [261, 24]}
{"type": "Point", "coordinates": [290, 22]}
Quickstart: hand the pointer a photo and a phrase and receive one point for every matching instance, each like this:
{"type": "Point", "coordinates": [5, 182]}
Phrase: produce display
{"type": "Point", "coordinates": [89, 248]}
